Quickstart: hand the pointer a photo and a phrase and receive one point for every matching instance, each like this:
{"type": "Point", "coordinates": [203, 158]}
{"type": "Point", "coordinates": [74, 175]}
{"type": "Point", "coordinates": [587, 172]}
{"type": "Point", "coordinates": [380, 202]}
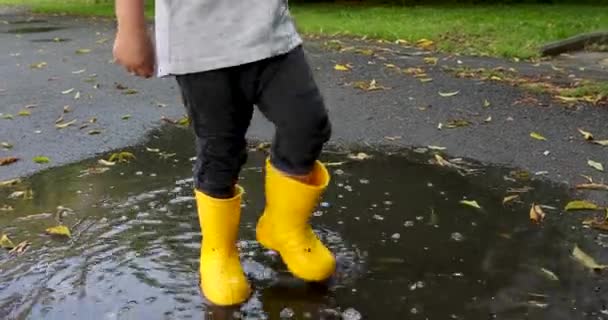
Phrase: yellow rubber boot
{"type": "Point", "coordinates": [284, 225]}
{"type": "Point", "coordinates": [222, 279]}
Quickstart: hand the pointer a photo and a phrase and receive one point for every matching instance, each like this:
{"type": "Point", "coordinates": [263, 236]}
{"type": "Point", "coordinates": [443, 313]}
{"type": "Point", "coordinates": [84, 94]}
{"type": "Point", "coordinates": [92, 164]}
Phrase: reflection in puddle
{"type": "Point", "coordinates": [406, 247]}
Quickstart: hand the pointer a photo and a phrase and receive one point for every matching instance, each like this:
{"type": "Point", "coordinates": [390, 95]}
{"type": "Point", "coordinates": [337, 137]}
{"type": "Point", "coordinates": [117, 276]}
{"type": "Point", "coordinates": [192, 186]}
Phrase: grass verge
{"type": "Point", "coordinates": [498, 30]}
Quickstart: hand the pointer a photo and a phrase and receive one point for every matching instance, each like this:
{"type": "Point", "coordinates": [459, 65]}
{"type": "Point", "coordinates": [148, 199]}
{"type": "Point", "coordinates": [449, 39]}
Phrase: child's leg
{"type": "Point", "coordinates": [295, 179]}
{"type": "Point", "coordinates": [220, 115]}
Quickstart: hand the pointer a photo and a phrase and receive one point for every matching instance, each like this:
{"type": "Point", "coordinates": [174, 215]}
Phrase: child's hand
{"type": "Point", "coordinates": [134, 51]}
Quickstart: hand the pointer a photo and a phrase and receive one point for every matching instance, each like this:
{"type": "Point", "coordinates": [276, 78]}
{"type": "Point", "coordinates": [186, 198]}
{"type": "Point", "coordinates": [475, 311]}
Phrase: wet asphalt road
{"type": "Point", "coordinates": [405, 116]}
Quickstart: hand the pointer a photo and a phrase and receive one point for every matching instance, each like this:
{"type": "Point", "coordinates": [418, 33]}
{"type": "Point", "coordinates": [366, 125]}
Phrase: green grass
{"type": "Point", "coordinates": [500, 30]}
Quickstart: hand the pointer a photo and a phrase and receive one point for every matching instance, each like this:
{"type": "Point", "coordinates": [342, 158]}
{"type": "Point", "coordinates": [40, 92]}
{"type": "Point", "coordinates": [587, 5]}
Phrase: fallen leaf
{"type": "Point", "coordinates": [185, 121]}
{"type": "Point", "coordinates": [152, 150]}
{"type": "Point", "coordinates": [93, 120]}
{"type": "Point", "coordinates": [7, 117]}
{"type": "Point", "coordinates": [486, 103]}
{"type": "Point", "coordinates": [8, 160]}
{"type": "Point", "coordinates": [587, 135]}
{"type": "Point", "coordinates": [425, 80]}
{"type": "Point", "coordinates": [83, 51]}
{"type": "Point", "coordinates": [537, 136]}
{"type": "Point", "coordinates": [20, 248]}
{"type": "Point", "coordinates": [595, 165]}
{"type": "Point", "coordinates": [24, 113]}
{"type": "Point", "coordinates": [65, 125]}
{"type": "Point", "coordinates": [457, 123]}
{"type": "Point", "coordinates": [510, 198]}
{"type": "Point", "coordinates": [371, 86]}
{"type": "Point", "coordinates": [449, 94]}
{"type": "Point", "coordinates": [581, 205]}
{"type": "Point", "coordinates": [106, 162]}
{"type": "Point", "coordinates": [341, 67]}
{"type": "Point", "coordinates": [6, 145]}
{"type": "Point", "coordinates": [16, 194]}
{"type": "Point", "coordinates": [122, 156]}
{"type": "Point", "coordinates": [586, 260]}
{"type": "Point", "coordinates": [41, 159]}
{"type": "Point", "coordinates": [77, 95]}
{"type": "Point", "coordinates": [59, 230]}
{"type": "Point", "coordinates": [359, 156]}
{"type": "Point", "coordinates": [390, 65]}
{"type": "Point", "coordinates": [39, 65]}
{"type": "Point", "coordinates": [549, 274]}
{"type": "Point", "coordinates": [592, 186]}
{"type": "Point", "coordinates": [601, 142]}
{"type": "Point", "coordinates": [425, 43]}
{"type": "Point", "coordinates": [126, 117]}
{"type": "Point", "coordinates": [488, 119]}
{"type": "Point", "coordinates": [68, 91]}
{"type": "Point", "coordinates": [94, 132]}
{"type": "Point", "coordinates": [130, 91]}
{"type": "Point", "coordinates": [537, 215]}
{"type": "Point", "coordinates": [334, 164]}
{"type": "Point", "coordinates": [470, 203]}
{"type": "Point", "coordinates": [66, 109]}
{"type": "Point", "coordinates": [6, 243]}
{"type": "Point", "coordinates": [9, 183]}
{"type": "Point", "coordinates": [431, 60]}
{"type": "Point", "coordinates": [79, 71]}
{"type": "Point", "coordinates": [437, 148]}
{"type": "Point", "coordinates": [394, 138]}
{"type": "Point", "coordinates": [6, 208]}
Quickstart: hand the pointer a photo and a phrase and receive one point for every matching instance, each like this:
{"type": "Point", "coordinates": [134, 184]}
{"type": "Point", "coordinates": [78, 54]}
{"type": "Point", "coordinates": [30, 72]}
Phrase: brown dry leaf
{"type": "Point", "coordinates": [587, 135]}
{"type": "Point", "coordinates": [586, 260]}
{"type": "Point", "coordinates": [8, 160]}
{"type": "Point", "coordinates": [20, 248]}
{"type": "Point", "coordinates": [537, 215]}
{"type": "Point", "coordinates": [342, 67]}
{"type": "Point", "coordinates": [59, 230]}
{"type": "Point", "coordinates": [371, 86]}
{"type": "Point", "coordinates": [65, 125]}
{"type": "Point", "coordinates": [510, 198]}
{"type": "Point", "coordinates": [431, 60]}
{"type": "Point", "coordinates": [592, 186]}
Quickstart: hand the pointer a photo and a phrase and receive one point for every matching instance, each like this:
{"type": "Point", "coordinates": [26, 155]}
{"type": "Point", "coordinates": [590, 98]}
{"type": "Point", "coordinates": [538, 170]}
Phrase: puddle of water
{"type": "Point", "coordinates": [33, 30]}
{"type": "Point", "coordinates": [406, 247]}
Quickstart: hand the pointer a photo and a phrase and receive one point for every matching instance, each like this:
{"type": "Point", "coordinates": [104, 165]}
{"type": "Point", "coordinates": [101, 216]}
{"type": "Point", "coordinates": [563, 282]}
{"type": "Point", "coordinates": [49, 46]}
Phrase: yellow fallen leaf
{"type": "Point", "coordinates": [536, 214]}
{"type": "Point", "coordinates": [83, 51]}
{"type": "Point", "coordinates": [587, 135]}
{"type": "Point", "coordinates": [341, 67]}
{"type": "Point", "coordinates": [24, 113]}
{"type": "Point", "coordinates": [470, 203]}
{"type": "Point", "coordinates": [510, 198]}
{"type": "Point", "coordinates": [601, 142]}
{"type": "Point", "coordinates": [425, 43]}
{"type": "Point", "coordinates": [390, 65]}
{"type": "Point", "coordinates": [581, 205]}
{"type": "Point", "coordinates": [59, 230]}
{"type": "Point", "coordinates": [39, 65]}
{"type": "Point", "coordinates": [586, 260]}
{"type": "Point", "coordinates": [431, 60]}
{"type": "Point", "coordinates": [449, 94]}
{"type": "Point", "coordinates": [6, 243]}
{"type": "Point", "coordinates": [595, 165]}
{"type": "Point", "coordinates": [401, 41]}
{"type": "Point", "coordinates": [41, 159]}
{"type": "Point", "coordinates": [537, 136]}
{"type": "Point", "coordinates": [65, 124]}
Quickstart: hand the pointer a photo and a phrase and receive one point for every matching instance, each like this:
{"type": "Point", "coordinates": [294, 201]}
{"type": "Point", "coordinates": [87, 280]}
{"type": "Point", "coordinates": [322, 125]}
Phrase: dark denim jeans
{"type": "Point", "coordinates": [220, 104]}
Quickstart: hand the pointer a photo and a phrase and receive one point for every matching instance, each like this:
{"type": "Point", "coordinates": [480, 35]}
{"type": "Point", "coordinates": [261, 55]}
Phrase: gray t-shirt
{"type": "Point", "coordinates": [201, 35]}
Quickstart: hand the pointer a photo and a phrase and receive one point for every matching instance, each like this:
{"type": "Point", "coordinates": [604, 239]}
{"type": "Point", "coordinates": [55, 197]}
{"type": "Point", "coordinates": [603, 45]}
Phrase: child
{"type": "Point", "coordinates": [228, 56]}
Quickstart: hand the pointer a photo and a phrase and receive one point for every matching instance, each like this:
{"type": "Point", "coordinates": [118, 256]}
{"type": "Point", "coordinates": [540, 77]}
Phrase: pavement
{"type": "Point", "coordinates": [49, 62]}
